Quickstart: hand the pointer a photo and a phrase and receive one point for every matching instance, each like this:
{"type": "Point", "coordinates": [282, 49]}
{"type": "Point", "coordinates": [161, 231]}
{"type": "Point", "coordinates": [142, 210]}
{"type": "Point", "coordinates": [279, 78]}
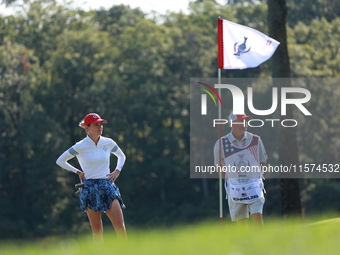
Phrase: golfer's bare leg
{"type": "Point", "coordinates": [96, 224]}
{"type": "Point", "coordinates": [115, 215]}
{"type": "Point", "coordinates": [257, 219]}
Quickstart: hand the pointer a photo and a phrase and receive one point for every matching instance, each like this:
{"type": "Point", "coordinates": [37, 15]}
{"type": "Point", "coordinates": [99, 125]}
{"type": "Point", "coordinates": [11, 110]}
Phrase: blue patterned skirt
{"type": "Point", "coordinates": [98, 195]}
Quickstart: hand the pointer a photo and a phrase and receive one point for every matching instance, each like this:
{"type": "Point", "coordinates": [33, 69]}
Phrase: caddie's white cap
{"type": "Point", "coordinates": [233, 117]}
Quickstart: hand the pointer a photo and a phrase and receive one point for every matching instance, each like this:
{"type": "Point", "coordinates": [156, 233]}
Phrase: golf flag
{"type": "Point", "coordinates": [241, 47]}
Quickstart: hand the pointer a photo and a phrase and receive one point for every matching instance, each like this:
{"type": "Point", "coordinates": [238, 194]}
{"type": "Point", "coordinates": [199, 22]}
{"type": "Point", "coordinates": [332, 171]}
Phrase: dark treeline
{"type": "Point", "coordinates": [57, 64]}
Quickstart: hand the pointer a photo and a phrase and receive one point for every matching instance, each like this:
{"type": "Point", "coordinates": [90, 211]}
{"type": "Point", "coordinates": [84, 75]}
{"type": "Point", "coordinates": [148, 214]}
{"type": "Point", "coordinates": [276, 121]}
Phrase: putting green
{"type": "Point", "coordinates": [277, 237]}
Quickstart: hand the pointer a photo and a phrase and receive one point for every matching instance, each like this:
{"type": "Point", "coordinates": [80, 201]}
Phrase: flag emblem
{"type": "Point", "coordinates": [241, 47]}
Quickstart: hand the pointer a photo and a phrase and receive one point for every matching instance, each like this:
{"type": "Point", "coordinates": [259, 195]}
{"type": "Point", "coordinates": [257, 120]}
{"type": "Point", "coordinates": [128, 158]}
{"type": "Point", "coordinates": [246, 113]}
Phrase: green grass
{"type": "Point", "coordinates": [277, 237]}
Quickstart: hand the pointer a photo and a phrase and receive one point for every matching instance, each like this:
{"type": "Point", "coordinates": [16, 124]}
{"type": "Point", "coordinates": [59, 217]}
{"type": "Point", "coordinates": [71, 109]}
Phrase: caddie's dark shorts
{"type": "Point", "coordinates": [98, 195]}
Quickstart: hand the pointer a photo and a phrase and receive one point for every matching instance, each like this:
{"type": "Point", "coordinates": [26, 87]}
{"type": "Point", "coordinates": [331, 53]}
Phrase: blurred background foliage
{"type": "Point", "coordinates": [57, 64]}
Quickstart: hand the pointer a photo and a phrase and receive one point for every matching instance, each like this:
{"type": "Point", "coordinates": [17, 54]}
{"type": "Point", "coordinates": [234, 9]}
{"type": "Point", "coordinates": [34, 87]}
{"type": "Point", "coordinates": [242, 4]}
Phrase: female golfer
{"type": "Point", "coordinates": [100, 194]}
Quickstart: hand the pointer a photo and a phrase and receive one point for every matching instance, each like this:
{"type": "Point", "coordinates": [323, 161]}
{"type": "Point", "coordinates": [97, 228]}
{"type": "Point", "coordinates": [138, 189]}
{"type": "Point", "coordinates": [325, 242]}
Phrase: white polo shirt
{"type": "Point", "coordinates": [93, 159]}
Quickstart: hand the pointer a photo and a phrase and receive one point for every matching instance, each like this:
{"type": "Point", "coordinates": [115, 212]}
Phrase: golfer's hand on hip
{"type": "Point", "coordinates": [81, 175]}
{"type": "Point", "coordinates": [113, 176]}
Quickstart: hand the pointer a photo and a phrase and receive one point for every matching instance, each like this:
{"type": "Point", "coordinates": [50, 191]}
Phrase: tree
{"type": "Point", "coordinates": [26, 153]}
{"type": "Point", "coordinates": [288, 150]}
{"type": "Point", "coordinates": [308, 11]}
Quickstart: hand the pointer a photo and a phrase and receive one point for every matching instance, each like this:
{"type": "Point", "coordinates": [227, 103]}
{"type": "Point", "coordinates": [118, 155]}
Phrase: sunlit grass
{"type": "Point", "coordinates": [277, 237]}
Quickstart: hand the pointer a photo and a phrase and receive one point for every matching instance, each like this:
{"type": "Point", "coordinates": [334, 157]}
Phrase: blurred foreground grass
{"type": "Point", "coordinates": [277, 237]}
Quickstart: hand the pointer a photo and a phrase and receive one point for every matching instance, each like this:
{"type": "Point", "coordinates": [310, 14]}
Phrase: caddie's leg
{"type": "Point", "coordinates": [115, 215]}
{"type": "Point", "coordinates": [242, 223]}
{"type": "Point", "coordinates": [257, 219]}
{"type": "Point", "coordinates": [256, 210]}
{"type": "Point", "coordinates": [95, 219]}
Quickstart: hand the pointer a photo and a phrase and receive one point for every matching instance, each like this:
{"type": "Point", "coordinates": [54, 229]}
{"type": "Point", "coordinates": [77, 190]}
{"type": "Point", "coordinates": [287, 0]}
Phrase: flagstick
{"type": "Point", "coordinates": [220, 173]}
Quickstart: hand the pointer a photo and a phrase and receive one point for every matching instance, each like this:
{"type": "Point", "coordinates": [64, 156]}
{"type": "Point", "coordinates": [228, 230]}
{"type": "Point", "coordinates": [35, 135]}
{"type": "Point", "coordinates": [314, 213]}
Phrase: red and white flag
{"type": "Point", "coordinates": [241, 47]}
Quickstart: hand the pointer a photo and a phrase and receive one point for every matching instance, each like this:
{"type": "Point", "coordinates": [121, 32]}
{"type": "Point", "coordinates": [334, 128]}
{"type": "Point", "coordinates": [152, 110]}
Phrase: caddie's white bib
{"type": "Point", "coordinates": [243, 170]}
{"type": "Point", "coordinates": [245, 193]}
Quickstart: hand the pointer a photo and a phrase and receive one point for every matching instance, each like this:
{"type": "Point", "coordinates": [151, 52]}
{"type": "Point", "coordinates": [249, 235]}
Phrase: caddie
{"type": "Point", "coordinates": [243, 155]}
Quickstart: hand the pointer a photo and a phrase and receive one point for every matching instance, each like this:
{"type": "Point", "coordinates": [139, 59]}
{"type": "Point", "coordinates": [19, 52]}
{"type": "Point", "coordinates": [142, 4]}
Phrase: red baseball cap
{"type": "Point", "coordinates": [233, 117]}
{"type": "Point", "coordinates": [93, 118]}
